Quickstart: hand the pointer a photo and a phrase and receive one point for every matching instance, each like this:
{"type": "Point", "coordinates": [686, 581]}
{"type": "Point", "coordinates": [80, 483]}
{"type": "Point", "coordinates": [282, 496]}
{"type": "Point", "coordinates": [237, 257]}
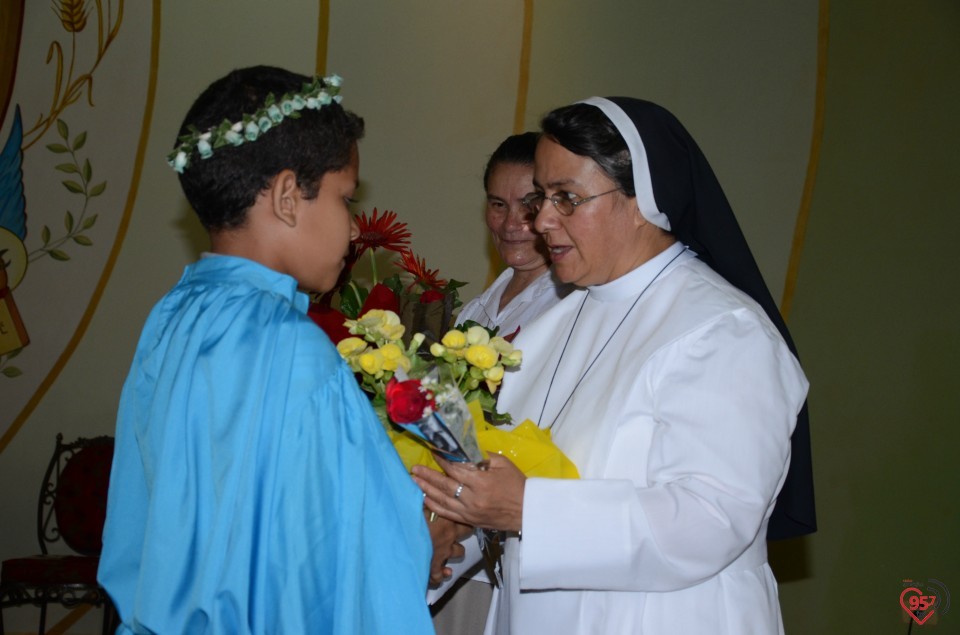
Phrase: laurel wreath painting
{"type": "Point", "coordinates": [69, 86]}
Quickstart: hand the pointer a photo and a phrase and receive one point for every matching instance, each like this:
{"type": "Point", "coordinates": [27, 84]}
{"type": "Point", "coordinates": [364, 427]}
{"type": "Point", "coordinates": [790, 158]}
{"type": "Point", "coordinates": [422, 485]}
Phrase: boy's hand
{"type": "Point", "coordinates": [446, 536]}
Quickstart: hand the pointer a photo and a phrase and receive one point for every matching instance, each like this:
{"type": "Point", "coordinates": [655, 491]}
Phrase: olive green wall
{"type": "Point", "coordinates": [876, 316]}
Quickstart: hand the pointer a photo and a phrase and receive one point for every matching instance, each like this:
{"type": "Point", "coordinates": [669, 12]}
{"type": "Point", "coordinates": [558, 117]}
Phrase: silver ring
{"type": "Point", "coordinates": [459, 491]}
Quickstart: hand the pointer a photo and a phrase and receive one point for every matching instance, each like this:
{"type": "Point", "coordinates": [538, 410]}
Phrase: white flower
{"type": "Point", "coordinates": [251, 126]}
{"type": "Point", "coordinates": [179, 162]}
{"type": "Point", "coordinates": [203, 146]}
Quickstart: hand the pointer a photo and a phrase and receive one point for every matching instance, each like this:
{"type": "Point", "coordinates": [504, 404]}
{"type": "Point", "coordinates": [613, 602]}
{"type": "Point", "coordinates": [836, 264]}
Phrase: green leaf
{"type": "Point", "coordinates": [352, 298]}
{"type": "Point", "coordinates": [395, 284]}
{"type": "Point", "coordinates": [59, 148]}
{"type": "Point", "coordinates": [68, 221]}
{"type": "Point", "coordinates": [45, 235]}
{"type": "Point", "coordinates": [73, 186]}
{"type": "Point", "coordinates": [14, 354]}
{"type": "Point", "coordinates": [68, 167]}
{"type": "Point", "coordinates": [80, 140]}
{"type": "Point", "coordinates": [63, 129]}
{"type": "Point", "coordinates": [88, 223]}
{"type": "Point", "coordinates": [57, 254]}
{"type": "Point", "coordinates": [12, 371]}
{"type": "Point", "coordinates": [87, 171]}
{"type": "Point", "coordinates": [80, 239]}
{"type": "Point", "coordinates": [454, 284]}
{"type": "Point", "coordinates": [97, 190]}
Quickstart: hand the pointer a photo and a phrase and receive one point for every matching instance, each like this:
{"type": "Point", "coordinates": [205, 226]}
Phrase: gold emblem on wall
{"type": "Point", "coordinates": [76, 95]}
{"type": "Point", "coordinates": [70, 85]}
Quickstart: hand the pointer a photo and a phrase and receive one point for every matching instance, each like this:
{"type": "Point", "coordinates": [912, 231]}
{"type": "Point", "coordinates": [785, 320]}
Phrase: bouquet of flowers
{"type": "Point", "coordinates": [432, 385]}
{"type": "Point", "coordinates": [424, 301]}
{"type": "Point", "coordinates": [439, 395]}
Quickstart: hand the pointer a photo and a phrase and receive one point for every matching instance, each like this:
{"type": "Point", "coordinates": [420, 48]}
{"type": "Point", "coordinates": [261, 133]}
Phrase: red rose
{"type": "Point", "coordinates": [381, 297]}
{"type": "Point", "coordinates": [330, 320]}
{"type": "Point", "coordinates": [431, 295]}
{"type": "Point", "coordinates": [408, 401]}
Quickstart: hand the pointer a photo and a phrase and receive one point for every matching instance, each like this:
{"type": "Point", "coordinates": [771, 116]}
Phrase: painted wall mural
{"type": "Point", "coordinates": [73, 81]}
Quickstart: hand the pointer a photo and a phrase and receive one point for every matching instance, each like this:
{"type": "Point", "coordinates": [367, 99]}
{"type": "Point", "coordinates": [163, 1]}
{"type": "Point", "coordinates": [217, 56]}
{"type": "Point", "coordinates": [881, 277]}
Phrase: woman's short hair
{"type": "Point", "coordinates": [585, 131]}
{"type": "Point", "coordinates": [224, 186]}
{"type": "Point", "coordinates": [518, 149]}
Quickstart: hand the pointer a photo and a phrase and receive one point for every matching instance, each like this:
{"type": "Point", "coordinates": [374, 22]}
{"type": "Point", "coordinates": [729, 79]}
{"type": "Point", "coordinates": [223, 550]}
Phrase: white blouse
{"type": "Point", "coordinates": [538, 296]}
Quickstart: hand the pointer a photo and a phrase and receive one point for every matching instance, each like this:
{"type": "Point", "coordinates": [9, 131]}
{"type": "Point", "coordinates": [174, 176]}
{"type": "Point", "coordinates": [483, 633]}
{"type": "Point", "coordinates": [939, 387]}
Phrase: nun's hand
{"type": "Point", "coordinates": [491, 498]}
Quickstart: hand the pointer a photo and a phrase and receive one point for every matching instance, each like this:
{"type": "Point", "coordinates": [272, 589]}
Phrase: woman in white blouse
{"type": "Point", "coordinates": [524, 290]}
{"type": "Point", "coordinates": [668, 378]}
{"type": "Point", "coordinates": [526, 287]}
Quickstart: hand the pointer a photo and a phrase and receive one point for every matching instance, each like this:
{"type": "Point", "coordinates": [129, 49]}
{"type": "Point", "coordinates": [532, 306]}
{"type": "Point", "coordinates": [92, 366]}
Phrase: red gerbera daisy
{"type": "Point", "coordinates": [417, 267]}
{"type": "Point", "coordinates": [381, 233]}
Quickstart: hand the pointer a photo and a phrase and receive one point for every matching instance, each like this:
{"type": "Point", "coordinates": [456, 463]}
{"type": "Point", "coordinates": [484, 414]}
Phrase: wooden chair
{"type": "Point", "coordinates": [72, 508]}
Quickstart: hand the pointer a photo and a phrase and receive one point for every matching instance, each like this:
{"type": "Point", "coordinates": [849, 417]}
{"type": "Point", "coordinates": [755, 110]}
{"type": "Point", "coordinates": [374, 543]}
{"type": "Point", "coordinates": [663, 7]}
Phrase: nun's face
{"type": "Point", "coordinates": [602, 239]}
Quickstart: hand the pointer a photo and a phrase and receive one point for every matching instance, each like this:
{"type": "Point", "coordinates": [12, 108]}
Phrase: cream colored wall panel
{"type": "Point", "coordinates": [436, 83]}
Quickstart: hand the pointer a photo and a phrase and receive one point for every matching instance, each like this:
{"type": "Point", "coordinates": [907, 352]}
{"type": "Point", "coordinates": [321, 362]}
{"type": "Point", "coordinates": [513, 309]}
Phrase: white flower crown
{"type": "Point", "coordinates": [314, 95]}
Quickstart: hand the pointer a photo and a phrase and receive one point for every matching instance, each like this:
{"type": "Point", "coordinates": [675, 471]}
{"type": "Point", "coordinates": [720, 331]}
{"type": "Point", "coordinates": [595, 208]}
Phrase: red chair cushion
{"type": "Point", "coordinates": [81, 503]}
{"type": "Point", "coordinates": [50, 569]}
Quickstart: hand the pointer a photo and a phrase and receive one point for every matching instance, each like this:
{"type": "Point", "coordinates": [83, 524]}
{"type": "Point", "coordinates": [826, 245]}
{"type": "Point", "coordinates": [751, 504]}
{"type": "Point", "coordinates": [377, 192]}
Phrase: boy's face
{"type": "Point", "coordinates": [327, 228]}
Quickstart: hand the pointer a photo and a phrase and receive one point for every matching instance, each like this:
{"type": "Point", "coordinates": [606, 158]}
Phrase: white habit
{"type": "Point", "coordinates": [681, 432]}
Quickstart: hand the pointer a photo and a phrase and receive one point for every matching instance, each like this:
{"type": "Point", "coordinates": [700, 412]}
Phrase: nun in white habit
{"type": "Point", "coordinates": [668, 378]}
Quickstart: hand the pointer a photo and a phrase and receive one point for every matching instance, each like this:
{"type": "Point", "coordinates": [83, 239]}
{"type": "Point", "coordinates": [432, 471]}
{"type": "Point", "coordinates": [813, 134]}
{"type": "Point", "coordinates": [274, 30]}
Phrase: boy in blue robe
{"type": "Point", "coordinates": [253, 489]}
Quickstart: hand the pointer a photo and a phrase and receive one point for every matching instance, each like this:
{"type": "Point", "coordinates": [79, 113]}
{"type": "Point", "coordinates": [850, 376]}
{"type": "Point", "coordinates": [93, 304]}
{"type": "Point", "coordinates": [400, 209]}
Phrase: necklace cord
{"type": "Point", "coordinates": [602, 348]}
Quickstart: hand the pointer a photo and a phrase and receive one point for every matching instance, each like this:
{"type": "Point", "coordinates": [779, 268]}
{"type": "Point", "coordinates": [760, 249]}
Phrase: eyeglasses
{"type": "Point", "coordinates": [564, 204]}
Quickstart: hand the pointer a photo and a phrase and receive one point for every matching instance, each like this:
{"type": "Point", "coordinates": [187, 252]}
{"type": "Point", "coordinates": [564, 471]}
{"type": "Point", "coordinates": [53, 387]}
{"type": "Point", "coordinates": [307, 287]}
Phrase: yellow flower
{"type": "Point", "coordinates": [379, 316]}
{"type": "Point", "coordinates": [415, 342]}
{"type": "Point", "coordinates": [351, 346]}
{"type": "Point", "coordinates": [493, 377]}
{"type": "Point", "coordinates": [454, 339]}
{"type": "Point", "coordinates": [512, 358]}
{"type": "Point", "coordinates": [437, 349]}
{"type": "Point", "coordinates": [392, 332]}
{"type": "Point", "coordinates": [393, 357]}
{"type": "Point", "coordinates": [371, 363]}
{"type": "Point", "coordinates": [379, 325]}
{"type": "Point", "coordinates": [494, 374]}
{"type": "Point", "coordinates": [482, 356]}
{"type": "Point", "coordinates": [477, 335]}
{"type": "Point", "coordinates": [501, 345]}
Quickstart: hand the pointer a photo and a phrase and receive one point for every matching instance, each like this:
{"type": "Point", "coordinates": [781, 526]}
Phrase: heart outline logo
{"type": "Point", "coordinates": [910, 612]}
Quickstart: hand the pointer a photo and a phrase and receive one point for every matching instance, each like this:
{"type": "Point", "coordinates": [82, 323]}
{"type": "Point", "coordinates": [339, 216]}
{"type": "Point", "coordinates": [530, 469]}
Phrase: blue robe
{"type": "Point", "coordinates": [253, 489]}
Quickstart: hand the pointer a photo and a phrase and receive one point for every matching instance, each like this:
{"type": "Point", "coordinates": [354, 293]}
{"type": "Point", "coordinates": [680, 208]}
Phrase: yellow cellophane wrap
{"type": "Point", "coordinates": [529, 447]}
